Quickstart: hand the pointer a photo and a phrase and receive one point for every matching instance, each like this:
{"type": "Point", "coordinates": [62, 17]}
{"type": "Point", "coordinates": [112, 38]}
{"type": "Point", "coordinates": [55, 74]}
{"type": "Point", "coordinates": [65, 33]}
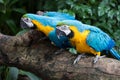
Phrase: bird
{"type": "Point", "coordinates": [47, 23]}
{"type": "Point", "coordinates": [86, 39]}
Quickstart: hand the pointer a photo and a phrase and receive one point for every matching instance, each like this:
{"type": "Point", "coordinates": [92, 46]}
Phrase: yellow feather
{"type": "Point", "coordinates": [79, 41]}
{"type": "Point", "coordinates": [45, 29]}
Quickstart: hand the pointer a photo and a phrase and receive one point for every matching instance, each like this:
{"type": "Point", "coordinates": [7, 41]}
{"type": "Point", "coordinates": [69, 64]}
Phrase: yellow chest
{"type": "Point", "coordinates": [45, 29]}
{"type": "Point", "coordinates": [79, 41]}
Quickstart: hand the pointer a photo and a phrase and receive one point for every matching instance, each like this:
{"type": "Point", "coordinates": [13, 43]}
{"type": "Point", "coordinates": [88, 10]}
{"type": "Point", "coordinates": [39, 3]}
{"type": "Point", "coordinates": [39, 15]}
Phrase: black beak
{"type": "Point", "coordinates": [59, 33]}
{"type": "Point", "coordinates": [26, 24]}
{"type": "Point", "coordinates": [23, 24]}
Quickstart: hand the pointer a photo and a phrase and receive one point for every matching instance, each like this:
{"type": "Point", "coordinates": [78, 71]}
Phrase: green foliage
{"type": "Point", "coordinates": [30, 75]}
{"type": "Point", "coordinates": [8, 16]}
{"type": "Point", "coordinates": [11, 73]}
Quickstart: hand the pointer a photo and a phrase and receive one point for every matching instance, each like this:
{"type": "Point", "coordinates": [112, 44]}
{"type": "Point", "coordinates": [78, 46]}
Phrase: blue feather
{"type": "Point", "coordinates": [115, 53]}
{"type": "Point", "coordinates": [100, 41]}
{"type": "Point", "coordinates": [63, 42]}
{"type": "Point", "coordinates": [59, 15]}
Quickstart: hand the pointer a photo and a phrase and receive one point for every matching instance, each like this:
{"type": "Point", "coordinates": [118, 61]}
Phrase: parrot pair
{"type": "Point", "coordinates": [86, 39]}
{"type": "Point", "coordinates": [66, 32]}
{"type": "Point", "coordinates": [47, 23]}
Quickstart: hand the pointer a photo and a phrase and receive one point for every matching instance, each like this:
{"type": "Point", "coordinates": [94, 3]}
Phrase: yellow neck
{"type": "Point", "coordinates": [79, 35]}
{"type": "Point", "coordinates": [79, 41]}
{"type": "Point", "coordinates": [45, 29]}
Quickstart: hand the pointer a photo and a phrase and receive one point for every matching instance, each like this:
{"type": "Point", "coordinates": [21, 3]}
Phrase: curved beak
{"type": "Point", "coordinates": [26, 23]}
{"type": "Point", "coordinates": [59, 33]}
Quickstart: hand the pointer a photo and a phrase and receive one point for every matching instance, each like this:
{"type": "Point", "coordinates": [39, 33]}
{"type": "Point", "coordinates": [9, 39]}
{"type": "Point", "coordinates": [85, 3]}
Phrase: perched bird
{"type": "Point", "coordinates": [86, 39]}
{"type": "Point", "coordinates": [47, 24]}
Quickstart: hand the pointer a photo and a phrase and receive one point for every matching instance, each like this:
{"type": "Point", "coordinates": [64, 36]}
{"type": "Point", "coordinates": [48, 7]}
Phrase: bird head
{"type": "Point", "coordinates": [63, 30]}
{"type": "Point", "coordinates": [26, 21]}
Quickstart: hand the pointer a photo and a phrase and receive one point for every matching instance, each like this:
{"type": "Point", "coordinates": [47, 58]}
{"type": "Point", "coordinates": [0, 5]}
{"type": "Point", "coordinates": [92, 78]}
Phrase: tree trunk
{"type": "Point", "coordinates": [30, 52]}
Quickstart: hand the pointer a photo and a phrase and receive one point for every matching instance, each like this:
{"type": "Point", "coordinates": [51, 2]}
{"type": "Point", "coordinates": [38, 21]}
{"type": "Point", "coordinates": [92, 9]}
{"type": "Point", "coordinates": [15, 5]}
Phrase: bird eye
{"type": "Point", "coordinates": [27, 19]}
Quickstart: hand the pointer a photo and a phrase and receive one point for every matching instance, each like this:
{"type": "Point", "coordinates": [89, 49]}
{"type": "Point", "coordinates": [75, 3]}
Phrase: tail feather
{"type": "Point", "coordinates": [115, 53]}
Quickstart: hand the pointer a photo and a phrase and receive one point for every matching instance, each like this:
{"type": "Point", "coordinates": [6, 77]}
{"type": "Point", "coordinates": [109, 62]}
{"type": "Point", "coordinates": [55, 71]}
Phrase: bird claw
{"type": "Point", "coordinates": [59, 51]}
{"type": "Point", "coordinates": [97, 58]}
{"type": "Point", "coordinates": [78, 58]}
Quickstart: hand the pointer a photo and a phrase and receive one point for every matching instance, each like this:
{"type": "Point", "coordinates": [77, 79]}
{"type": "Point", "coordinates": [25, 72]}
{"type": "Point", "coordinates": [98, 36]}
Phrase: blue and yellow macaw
{"type": "Point", "coordinates": [47, 23]}
{"type": "Point", "coordinates": [86, 38]}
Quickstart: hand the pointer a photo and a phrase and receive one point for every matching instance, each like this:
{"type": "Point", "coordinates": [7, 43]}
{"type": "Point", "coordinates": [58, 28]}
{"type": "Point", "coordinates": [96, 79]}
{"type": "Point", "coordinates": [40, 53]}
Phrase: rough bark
{"type": "Point", "coordinates": [30, 52]}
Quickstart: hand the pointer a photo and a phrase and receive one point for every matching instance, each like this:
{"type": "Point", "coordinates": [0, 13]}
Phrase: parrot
{"type": "Point", "coordinates": [46, 23]}
{"type": "Point", "coordinates": [87, 39]}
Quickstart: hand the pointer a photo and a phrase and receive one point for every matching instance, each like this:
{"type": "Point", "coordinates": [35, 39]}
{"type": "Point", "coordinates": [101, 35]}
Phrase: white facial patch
{"type": "Point", "coordinates": [65, 29]}
{"type": "Point", "coordinates": [28, 22]}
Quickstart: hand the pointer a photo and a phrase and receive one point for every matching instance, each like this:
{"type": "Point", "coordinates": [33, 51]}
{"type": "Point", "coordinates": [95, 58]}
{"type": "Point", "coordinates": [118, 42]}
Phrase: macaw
{"type": "Point", "coordinates": [86, 39]}
{"type": "Point", "coordinates": [47, 23]}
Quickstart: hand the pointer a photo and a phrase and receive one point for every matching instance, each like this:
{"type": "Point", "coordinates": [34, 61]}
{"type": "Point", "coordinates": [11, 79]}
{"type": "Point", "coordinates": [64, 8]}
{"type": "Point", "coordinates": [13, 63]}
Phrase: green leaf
{"type": "Point", "coordinates": [30, 75]}
{"type": "Point", "coordinates": [12, 2]}
{"type": "Point", "coordinates": [72, 50]}
{"type": "Point", "coordinates": [12, 73]}
{"type": "Point", "coordinates": [12, 25]}
{"type": "Point", "coordinates": [1, 1]}
{"type": "Point", "coordinates": [6, 2]}
{"type": "Point", "coordinates": [2, 68]}
{"type": "Point", "coordinates": [20, 10]}
{"type": "Point", "coordinates": [118, 15]}
{"type": "Point", "coordinates": [111, 14]}
{"type": "Point", "coordinates": [23, 31]}
{"type": "Point", "coordinates": [102, 10]}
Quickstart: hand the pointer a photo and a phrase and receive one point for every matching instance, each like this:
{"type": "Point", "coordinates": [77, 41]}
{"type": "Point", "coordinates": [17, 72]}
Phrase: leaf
{"type": "Point", "coordinates": [30, 75]}
{"type": "Point", "coordinates": [72, 50]}
{"type": "Point", "coordinates": [111, 14]}
{"type": "Point", "coordinates": [22, 32]}
{"type": "Point", "coordinates": [118, 15]}
{"type": "Point", "coordinates": [6, 2]}
{"type": "Point", "coordinates": [1, 1]}
{"type": "Point", "coordinates": [103, 10]}
{"type": "Point", "coordinates": [12, 73]}
{"type": "Point", "coordinates": [12, 25]}
{"type": "Point", "coordinates": [12, 2]}
{"type": "Point", "coordinates": [19, 10]}
{"type": "Point", "coordinates": [2, 68]}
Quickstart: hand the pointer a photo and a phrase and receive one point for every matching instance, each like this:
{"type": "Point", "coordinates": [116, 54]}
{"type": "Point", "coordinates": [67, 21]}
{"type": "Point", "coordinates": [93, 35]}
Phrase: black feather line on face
{"type": "Point", "coordinates": [71, 34]}
{"type": "Point", "coordinates": [34, 27]}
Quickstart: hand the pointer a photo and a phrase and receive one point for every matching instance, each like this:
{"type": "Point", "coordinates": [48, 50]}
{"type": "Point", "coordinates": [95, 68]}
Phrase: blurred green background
{"type": "Point", "coordinates": [104, 14]}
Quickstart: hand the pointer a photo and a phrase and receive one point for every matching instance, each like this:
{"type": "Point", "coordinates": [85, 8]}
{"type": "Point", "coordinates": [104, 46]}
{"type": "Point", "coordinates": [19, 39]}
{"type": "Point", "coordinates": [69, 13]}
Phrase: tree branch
{"type": "Point", "coordinates": [29, 52]}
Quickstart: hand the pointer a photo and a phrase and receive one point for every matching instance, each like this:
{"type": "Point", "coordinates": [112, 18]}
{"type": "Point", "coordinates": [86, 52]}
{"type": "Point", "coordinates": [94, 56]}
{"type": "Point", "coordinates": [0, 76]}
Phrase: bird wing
{"type": "Point", "coordinates": [99, 40]}
{"type": "Point", "coordinates": [59, 15]}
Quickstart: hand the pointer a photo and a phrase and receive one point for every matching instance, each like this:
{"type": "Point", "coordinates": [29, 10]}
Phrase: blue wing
{"type": "Point", "coordinates": [100, 41]}
{"type": "Point", "coordinates": [59, 15]}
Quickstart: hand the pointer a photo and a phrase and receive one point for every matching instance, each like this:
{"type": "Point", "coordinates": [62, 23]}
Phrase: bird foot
{"type": "Point", "coordinates": [78, 58]}
{"type": "Point", "coordinates": [59, 51]}
{"type": "Point", "coordinates": [97, 58]}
